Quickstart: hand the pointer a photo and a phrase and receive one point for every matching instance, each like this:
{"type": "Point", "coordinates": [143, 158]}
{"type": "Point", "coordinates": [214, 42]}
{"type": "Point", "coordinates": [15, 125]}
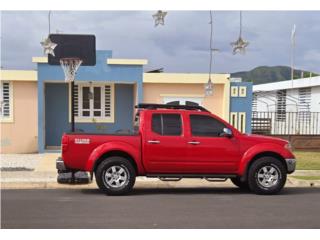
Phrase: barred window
{"type": "Point", "coordinates": [5, 99]}
{"type": "Point", "coordinates": [281, 105]}
{"type": "Point", "coordinates": [304, 98]}
{"type": "Point", "coordinates": [93, 101]}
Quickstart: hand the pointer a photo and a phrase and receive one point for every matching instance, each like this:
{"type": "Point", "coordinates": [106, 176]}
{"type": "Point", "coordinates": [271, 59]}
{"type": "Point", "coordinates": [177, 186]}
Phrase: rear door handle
{"type": "Point", "coordinates": [194, 142]}
{"type": "Point", "coordinates": [154, 141]}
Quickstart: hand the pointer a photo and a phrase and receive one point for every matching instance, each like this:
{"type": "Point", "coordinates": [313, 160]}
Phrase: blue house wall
{"type": "Point", "coordinates": [242, 104]}
{"type": "Point", "coordinates": [53, 97]}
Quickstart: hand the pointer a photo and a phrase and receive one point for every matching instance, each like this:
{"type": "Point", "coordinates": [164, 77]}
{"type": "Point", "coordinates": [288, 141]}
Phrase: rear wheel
{"type": "Point", "coordinates": [115, 176]}
{"type": "Point", "coordinates": [242, 185]}
{"type": "Point", "coordinates": [267, 175]}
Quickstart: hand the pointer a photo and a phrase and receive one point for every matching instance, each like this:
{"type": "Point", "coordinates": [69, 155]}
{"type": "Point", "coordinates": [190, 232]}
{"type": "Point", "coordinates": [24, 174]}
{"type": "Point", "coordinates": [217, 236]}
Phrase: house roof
{"type": "Point", "coordinates": [297, 83]}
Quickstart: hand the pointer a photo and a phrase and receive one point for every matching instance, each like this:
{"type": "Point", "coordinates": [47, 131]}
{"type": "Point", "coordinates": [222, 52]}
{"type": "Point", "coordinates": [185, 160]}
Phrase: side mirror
{"type": "Point", "coordinates": [226, 133]}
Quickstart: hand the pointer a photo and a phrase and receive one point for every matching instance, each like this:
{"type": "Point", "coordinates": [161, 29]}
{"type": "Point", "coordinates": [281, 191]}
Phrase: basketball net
{"type": "Point", "coordinates": [70, 67]}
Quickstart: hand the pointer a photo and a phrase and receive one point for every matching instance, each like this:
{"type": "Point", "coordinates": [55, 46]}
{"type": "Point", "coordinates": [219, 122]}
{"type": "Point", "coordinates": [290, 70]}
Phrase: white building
{"type": "Point", "coordinates": [290, 107]}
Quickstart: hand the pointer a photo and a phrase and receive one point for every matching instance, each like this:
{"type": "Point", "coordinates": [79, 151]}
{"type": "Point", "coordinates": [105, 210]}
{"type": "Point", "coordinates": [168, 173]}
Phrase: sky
{"type": "Point", "coordinates": [181, 45]}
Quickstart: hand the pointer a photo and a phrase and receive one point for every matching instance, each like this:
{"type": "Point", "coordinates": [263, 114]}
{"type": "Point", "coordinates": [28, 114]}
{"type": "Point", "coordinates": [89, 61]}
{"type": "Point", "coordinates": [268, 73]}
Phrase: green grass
{"type": "Point", "coordinates": [307, 177]}
{"type": "Point", "coordinates": [307, 160]}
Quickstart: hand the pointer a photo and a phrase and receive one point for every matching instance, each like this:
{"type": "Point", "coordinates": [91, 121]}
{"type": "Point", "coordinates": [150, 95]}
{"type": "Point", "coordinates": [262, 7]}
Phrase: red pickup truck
{"type": "Point", "coordinates": [174, 142]}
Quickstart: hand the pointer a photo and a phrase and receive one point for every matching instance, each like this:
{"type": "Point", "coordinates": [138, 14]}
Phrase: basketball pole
{"type": "Point", "coordinates": [72, 106]}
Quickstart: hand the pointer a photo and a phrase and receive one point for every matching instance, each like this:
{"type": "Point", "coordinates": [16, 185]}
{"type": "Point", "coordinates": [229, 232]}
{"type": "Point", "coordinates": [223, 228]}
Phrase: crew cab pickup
{"type": "Point", "coordinates": [175, 142]}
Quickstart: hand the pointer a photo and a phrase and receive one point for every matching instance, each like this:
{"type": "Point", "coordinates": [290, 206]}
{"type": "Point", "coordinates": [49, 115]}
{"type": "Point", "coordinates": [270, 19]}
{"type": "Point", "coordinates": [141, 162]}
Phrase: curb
{"type": "Point", "coordinates": [148, 183]}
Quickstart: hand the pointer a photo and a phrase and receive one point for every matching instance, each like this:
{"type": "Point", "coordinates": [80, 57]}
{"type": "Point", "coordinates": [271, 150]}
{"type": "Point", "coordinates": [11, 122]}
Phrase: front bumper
{"type": "Point", "coordinates": [291, 164]}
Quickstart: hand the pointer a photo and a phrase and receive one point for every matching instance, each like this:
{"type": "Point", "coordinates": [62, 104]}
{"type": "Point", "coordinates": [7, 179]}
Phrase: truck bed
{"type": "Point", "coordinates": [77, 147]}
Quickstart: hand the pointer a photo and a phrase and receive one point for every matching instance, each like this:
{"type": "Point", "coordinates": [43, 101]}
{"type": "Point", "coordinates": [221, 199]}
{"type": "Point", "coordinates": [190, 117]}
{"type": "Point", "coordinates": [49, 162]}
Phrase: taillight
{"type": "Point", "coordinates": [64, 142]}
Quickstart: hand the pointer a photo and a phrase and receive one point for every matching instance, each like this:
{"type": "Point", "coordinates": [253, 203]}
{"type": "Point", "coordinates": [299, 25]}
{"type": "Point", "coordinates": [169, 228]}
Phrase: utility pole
{"type": "Point", "coordinates": [293, 44]}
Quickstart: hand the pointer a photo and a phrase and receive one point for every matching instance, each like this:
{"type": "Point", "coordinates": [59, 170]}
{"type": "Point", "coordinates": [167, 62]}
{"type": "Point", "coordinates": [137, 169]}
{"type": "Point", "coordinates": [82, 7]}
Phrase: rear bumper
{"type": "Point", "coordinates": [69, 176]}
{"type": "Point", "coordinates": [291, 164]}
{"type": "Point", "coordinates": [60, 165]}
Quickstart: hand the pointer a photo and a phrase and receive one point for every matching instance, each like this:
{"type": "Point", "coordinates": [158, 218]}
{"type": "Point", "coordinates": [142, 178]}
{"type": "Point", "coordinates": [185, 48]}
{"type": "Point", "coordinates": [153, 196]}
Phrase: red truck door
{"type": "Point", "coordinates": [208, 152]}
{"type": "Point", "coordinates": [164, 143]}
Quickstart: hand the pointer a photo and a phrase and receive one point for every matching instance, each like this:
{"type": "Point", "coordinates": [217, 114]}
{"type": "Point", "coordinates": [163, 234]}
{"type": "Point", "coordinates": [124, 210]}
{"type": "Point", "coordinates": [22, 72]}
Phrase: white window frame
{"type": "Point", "coordinates": [242, 124]}
{"type": "Point", "coordinates": [91, 118]}
{"type": "Point", "coordinates": [7, 119]}
{"type": "Point", "coordinates": [235, 122]}
{"type": "Point", "coordinates": [242, 91]}
{"type": "Point", "coordinates": [234, 91]}
{"type": "Point", "coordinates": [239, 121]}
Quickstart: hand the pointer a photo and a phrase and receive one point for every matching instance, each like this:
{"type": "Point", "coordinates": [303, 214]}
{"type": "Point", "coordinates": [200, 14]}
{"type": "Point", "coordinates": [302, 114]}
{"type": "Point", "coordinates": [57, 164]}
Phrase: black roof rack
{"type": "Point", "coordinates": [167, 106]}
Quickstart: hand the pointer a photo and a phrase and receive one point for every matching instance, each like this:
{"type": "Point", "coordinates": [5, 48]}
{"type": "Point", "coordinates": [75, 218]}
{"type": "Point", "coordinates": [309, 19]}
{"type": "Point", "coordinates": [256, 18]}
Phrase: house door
{"type": "Point", "coordinates": [56, 113]}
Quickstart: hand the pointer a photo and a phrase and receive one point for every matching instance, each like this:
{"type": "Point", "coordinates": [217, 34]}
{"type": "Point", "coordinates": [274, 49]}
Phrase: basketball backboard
{"type": "Point", "coordinates": [78, 46]}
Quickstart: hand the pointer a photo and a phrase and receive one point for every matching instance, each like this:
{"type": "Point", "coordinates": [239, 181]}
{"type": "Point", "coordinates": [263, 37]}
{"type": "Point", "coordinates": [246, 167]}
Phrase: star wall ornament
{"type": "Point", "coordinates": [48, 46]}
{"type": "Point", "coordinates": [239, 46]}
{"type": "Point", "coordinates": [159, 18]}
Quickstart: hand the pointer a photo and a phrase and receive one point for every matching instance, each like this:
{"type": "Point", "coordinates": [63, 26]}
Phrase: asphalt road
{"type": "Point", "coordinates": [160, 208]}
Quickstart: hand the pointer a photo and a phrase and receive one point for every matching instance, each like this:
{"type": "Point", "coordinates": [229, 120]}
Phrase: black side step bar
{"type": "Point", "coordinates": [179, 176]}
{"type": "Point", "coordinates": [166, 179]}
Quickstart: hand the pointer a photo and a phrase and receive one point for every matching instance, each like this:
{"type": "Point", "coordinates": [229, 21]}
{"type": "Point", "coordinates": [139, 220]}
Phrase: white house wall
{"type": "Point", "coordinates": [315, 99]}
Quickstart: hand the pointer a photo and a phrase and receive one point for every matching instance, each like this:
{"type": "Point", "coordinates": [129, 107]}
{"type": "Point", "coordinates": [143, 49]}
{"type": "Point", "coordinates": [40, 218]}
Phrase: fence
{"type": "Point", "coordinates": [286, 123]}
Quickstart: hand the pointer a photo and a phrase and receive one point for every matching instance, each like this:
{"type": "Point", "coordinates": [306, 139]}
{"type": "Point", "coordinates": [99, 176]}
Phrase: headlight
{"type": "Point", "coordinates": [288, 146]}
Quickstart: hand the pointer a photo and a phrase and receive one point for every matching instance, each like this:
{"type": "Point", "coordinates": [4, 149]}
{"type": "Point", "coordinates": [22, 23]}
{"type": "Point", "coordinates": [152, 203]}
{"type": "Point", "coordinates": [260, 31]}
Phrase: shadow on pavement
{"type": "Point", "coordinates": [190, 191]}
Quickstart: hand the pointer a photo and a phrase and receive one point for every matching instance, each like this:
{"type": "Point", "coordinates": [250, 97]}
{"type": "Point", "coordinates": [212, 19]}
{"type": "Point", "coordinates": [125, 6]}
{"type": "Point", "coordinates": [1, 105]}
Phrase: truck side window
{"type": "Point", "coordinates": [205, 126]}
{"type": "Point", "coordinates": [156, 123]}
{"type": "Point", "coordinates": [167, 124]}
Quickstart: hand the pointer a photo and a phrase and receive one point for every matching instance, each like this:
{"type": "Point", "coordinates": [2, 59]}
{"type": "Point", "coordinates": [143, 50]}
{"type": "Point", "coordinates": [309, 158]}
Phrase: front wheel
{"type": "Point", "coordinates": [115, 176]}
{"type": "Point", "coordinates": [267, 175]}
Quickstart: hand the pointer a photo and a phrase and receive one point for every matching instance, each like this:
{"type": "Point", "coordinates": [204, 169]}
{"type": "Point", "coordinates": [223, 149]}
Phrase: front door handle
{"type": "Point", "coordinates": [154, 141]}
{"type": "Point", "coordinates": [194, 142]}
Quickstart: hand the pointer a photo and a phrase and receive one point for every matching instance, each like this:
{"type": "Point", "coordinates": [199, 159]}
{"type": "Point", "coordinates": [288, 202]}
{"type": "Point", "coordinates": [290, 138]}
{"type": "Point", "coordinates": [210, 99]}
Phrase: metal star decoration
{"type": "Point", "coordinates": [239, 46]}
{"type": "Point", "coordinates": [48, 46]}
{"type": "Point", "coordinates": [159, 18]}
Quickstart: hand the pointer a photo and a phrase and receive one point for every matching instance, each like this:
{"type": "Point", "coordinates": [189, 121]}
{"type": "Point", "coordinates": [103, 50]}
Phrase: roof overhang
{"type": "Point", "coordinates": [119, 61]}
{"type": "Point", "coordinates": [40, 59]}
{"type": "Point", "coordinates": [185, 78]}
{"type": "Point", "coordinates": [111, 61]}
{"type": "Point", "coordinates": [18, 75]}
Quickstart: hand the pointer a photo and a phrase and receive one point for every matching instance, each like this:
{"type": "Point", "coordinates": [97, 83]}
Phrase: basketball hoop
{"type": "Point", "coordinates": [70, 67]}
{"type": "Point", "coordinates": [71, 51]}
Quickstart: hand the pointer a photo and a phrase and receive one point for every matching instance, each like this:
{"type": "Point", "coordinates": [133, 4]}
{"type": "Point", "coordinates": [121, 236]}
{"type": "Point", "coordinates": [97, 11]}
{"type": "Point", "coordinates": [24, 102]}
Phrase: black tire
{"type": "Point", "coordinates": [255, 179]}
{"type": "Point", "coordinates": [242, 185]}
{"type": "Point", "coordinates": [105, 183]}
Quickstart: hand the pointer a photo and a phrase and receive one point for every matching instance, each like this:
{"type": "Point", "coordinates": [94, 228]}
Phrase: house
{"type": "Point", "coordinates": [188, 88]}
{"type": "Point", "coordinates": [35, 105]}
{"type": "Point", "coordinates": [18, 111]}
{"type": "Point", "coordinates": [289, 107]}
{"type": "Point", "coordinates": [105, 95]}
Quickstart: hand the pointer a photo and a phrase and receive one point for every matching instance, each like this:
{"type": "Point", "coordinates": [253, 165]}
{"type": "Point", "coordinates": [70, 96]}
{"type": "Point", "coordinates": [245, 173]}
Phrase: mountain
{"type": "Point", "coordinates": [266, 74]}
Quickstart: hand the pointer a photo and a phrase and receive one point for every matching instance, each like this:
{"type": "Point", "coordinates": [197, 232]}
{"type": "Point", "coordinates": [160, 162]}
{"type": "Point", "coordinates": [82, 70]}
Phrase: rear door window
{"type": "Point", "coordinates": [167, 124]}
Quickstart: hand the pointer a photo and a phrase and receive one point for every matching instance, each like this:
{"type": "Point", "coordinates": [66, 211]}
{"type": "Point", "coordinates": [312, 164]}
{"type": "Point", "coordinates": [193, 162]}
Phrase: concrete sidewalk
{"type": "Point", "coordinates": [39, 171]}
